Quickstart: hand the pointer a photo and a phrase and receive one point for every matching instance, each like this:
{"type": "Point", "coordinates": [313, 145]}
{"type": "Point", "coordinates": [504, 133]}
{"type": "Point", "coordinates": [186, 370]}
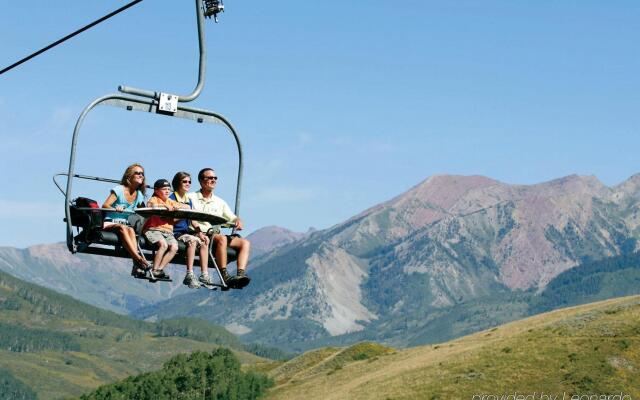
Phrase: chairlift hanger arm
{"type": "Point", "coordinates": [213, 7]}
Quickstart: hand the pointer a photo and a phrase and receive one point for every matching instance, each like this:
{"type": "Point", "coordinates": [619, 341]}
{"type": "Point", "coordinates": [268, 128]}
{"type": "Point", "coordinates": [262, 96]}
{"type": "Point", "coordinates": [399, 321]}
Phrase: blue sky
{"type": "Point", "coordinates": [339, 105]}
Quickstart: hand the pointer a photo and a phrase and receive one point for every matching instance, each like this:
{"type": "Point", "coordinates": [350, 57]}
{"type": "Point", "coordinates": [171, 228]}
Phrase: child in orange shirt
{"type": "Point", "coordinates": [159, 230]}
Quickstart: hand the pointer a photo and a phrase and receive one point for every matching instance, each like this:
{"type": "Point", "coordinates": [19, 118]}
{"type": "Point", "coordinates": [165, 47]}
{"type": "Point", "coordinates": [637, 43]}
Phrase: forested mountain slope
{"type": "Point", "coordinates": [58, 347]}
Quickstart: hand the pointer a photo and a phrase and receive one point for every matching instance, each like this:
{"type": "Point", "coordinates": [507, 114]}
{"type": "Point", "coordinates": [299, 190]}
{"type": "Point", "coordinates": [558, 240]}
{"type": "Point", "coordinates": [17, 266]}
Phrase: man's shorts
{"type": "Point", "coordinates": [186, 238]}
{"type": "Point", "coordinates": [156, 235]}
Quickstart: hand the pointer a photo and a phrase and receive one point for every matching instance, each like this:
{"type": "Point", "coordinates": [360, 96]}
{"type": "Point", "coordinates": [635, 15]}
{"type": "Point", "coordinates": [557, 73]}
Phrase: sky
{"type": "Point", "coordinates": [339, 105]}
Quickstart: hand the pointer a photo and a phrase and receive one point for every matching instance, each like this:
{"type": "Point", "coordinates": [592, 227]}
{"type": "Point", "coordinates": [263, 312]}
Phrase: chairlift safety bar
{"type": "Point", "coordinates": [88, 177]}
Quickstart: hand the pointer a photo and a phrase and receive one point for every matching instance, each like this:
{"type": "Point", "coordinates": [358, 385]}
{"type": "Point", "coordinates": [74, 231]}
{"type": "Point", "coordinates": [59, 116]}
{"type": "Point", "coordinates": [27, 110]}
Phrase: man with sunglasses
{"type": "Point", "coordinates": [204, 200]}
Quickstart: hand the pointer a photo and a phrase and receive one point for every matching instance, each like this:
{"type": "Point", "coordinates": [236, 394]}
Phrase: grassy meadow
{"type": "Point", "coordinates": [588, 349]}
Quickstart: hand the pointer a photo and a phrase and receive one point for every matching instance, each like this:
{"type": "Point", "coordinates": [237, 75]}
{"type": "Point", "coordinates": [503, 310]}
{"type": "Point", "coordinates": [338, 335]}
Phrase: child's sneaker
{"type": "Point", "coordinates": [205, 280]}
{"type": "Point", "coordinates": [191, 281]}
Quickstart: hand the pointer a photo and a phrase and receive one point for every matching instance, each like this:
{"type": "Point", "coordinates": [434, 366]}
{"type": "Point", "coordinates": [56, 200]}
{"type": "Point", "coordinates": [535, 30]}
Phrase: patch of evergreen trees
{"type": "Point", "coordinates": [199, 375]}
{"type": "Point", "coordinates": [48, 302]}
{"type": "Point", "coordinates": [591, 281]}
{"type": "Point", "coordinates": [21, 339]}
{"type": "Point", "coordinates": [272, 353]}
{"type": "Point", "coordinates": [197, 329]}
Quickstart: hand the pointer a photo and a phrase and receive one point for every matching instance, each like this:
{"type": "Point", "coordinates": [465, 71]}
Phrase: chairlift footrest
{"type": "Point", "coordinates": [145, 276]}
{"type": "Point", "coordinates": [210, 287]}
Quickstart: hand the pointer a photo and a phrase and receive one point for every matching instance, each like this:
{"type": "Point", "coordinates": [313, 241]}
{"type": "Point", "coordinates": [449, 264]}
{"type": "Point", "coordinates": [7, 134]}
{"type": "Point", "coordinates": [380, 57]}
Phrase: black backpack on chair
{"type": "Point", "coordinates": [86, 219]}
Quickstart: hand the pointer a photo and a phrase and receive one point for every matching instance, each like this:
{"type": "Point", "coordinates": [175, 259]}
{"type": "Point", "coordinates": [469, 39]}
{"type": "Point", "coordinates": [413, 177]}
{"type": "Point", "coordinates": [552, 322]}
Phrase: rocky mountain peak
{"type": "Point", "coordinates": [270, 237]}
{"type": "Point", "coordinates": [571, 184]}
{"type": "Point", "coordinates": [629, 189]}
{"type": "Point", "coordinates": [443, 191]}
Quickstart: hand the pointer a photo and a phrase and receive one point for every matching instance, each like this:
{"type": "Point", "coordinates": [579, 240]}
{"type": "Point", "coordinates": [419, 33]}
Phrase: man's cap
{"type": "Point", "coordinates": [161, 183]}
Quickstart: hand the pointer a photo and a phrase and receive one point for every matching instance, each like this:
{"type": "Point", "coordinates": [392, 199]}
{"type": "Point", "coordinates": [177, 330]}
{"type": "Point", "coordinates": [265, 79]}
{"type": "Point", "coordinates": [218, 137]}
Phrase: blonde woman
{"type": "Point", "coordinates": [124, 199]}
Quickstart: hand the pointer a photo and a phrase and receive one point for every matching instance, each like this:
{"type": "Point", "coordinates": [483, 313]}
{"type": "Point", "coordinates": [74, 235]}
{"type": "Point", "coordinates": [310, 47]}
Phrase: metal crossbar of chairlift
{"type": "Point", "coordinates": [152, 102]}
{"type": "Point", "coordinates": [88, 177]}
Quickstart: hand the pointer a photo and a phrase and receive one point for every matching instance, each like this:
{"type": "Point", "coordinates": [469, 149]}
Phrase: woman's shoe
{"type": "Point", "coordinates": [138, 272]}
{"type": "Point", "coordinates": [157, 274]}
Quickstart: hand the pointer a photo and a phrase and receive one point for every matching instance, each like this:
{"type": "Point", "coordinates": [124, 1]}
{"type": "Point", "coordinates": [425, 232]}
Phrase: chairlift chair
{"type": "Point", "coordinates": [89, 237]}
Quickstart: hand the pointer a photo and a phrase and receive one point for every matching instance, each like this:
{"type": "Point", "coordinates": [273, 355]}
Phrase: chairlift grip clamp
{"type": "Point", "coordinates": [167, 103]}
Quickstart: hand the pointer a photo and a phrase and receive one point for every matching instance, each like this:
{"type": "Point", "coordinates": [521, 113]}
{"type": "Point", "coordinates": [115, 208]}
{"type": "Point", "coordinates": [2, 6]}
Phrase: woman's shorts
{"type": "Point", "coordinates": [155, 235]}
{"type": "Point", "coordinates": [186, 238]}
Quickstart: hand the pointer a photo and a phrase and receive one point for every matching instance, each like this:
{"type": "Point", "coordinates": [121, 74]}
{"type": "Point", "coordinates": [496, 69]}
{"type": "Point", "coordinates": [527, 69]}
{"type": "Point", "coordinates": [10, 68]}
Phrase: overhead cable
{"type": "Point", "coordinates": [69, 36]}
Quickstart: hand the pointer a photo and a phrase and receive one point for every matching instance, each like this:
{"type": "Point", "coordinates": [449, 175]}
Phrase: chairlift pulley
{"type": "Point", "coordinates": [213, 8]}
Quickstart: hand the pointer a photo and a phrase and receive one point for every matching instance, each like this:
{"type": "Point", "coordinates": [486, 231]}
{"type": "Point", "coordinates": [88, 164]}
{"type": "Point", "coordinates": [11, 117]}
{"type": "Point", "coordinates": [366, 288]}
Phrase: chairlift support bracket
{"type": "Point", "coordinates": [201, 11]}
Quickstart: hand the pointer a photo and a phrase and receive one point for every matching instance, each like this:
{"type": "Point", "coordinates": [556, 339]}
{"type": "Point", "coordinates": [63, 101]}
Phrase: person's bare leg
{"type": "Point", "coordinates": [191, 255]}
{"type": "Point", "coordinates": [204, 256]}
{"type": "Point", "coordinates": [157, 258]}
{"type": "Point", "coordinates": [220, 243]}
{"type": "Point", "coordinates": [168, 255]}
{"type": "Point", "coordinates": [124, 232]}
{"type": "Point", "coordinates": [133, 240]}
{"type": "Point", "coordinates": [242, 246]}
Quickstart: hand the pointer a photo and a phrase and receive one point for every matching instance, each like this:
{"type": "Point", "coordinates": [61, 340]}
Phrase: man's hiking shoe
{"type": "Point", "coordinates": [206, 280]}
{"type": "Point", "coordinates": [240, 280]}
{"type": "Point", "coordinates": [191, 281]}
{"type": "Point", "coordinates": [225, 275]}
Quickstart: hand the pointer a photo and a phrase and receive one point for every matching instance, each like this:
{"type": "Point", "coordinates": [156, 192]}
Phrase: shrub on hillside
{"type": "Point", "coordinates": [21, 339]}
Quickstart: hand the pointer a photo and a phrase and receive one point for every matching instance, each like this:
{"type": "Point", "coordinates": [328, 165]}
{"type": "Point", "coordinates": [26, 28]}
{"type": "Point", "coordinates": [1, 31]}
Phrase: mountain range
{"type": "Point", "coordinates": [447, 244]}
{"type": "Point", "coordinates": [106, 282]}
{"type": "Point", "coordinates": [451, 256]}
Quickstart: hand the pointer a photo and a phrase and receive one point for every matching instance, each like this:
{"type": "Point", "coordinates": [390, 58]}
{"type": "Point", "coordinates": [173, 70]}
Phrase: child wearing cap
{"type": "Point", "coordinates": [159, 230]}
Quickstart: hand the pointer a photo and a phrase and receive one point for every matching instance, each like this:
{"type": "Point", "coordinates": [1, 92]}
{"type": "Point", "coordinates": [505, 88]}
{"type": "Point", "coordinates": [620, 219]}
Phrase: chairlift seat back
{"type": "Point", "coordinates": [93, 235]}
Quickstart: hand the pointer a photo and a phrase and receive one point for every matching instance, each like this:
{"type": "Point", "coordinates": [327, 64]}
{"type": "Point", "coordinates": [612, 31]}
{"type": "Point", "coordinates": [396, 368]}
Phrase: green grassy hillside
{"type": "Point", "coordinates": [589, 349]}
{"type": "Point", "coordinates": [59, 347]}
